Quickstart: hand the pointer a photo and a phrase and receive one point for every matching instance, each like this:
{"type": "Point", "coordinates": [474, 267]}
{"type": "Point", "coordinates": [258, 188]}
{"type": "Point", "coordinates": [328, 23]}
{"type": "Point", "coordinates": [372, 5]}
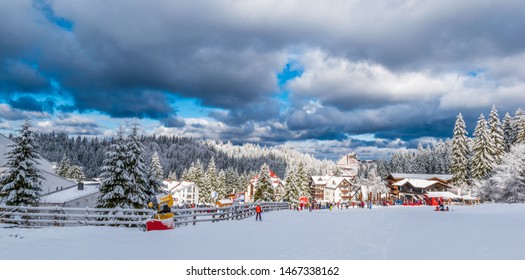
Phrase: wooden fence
{"type": "Point", "coordinates": [60, 216]}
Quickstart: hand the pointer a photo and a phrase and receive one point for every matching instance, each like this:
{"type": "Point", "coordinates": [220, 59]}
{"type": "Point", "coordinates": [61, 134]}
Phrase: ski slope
{"type": "Point", "coordinates": [482, 232]}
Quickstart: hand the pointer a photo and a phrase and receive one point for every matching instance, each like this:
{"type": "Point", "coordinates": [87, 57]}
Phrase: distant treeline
{"type": "Point", "coordinates": [177, 154]}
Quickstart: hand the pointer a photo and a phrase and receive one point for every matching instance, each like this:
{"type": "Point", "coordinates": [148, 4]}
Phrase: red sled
{"type": "Point", "coordinates": [160, 224]}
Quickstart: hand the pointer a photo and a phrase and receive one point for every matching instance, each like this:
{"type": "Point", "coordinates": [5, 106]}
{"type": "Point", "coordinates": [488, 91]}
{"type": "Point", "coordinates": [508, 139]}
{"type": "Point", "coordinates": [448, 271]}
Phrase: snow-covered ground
{"type": "Point", "coordinates": [490, 231]}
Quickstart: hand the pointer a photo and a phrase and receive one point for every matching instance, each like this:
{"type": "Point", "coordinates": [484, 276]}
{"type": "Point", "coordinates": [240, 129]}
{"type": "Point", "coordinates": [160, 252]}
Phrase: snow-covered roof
{"type": "Point", "coordinates": [349, 164]}
{"type": "Point", "coordinates": [176, 186]}
{"type": "Point", "coordinates": [444, 177]}
{"type": "Point", "coordinates": [333, 182]}
{"type": "Point", "coordinates": [445, 195]}
{"type": "Point", "coordinates": [70, 193]}
{"type": "Point", "coordinates": [320, 180]}
{"type": "Point", "coordinates": [417, 183]}
{"type": "Point", "coordinates": [5, 142]}
{"type": "Point", "coordinates": [468, 197]}
{"type": "Point", "coordinates": [51, 182]}
{"type": "Point", "coordinates": [225, 201]}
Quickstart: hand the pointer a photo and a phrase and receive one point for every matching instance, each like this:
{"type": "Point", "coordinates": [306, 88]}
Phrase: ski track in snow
{"type": "Point", "coordinates": [493, 231]}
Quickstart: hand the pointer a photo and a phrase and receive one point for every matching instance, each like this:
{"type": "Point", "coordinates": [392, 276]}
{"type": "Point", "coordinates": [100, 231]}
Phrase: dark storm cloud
{"type": "Point", "coordinates": [407, 122]}
{"type": "Point", "coordinates": [12, 114]}
{"type": "Point", "coordinates": [29, 103]}
{"type": "Point", "coordinates": [172, 121]}
{"type": "Point", "coordinates": [260, 111]}
{"type": "Point", "coordinates": [133, 103]}
{"type": "Point", "coordinates": [20, 77]}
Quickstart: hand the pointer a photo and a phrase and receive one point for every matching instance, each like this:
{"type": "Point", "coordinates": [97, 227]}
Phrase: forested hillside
{"type": "Point", "coordinates": [178, 153]}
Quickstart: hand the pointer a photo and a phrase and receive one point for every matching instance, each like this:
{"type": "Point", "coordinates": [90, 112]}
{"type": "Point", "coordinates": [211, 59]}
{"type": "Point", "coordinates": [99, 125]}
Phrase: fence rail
{"type": "Point", "coordinates": [61, 216]}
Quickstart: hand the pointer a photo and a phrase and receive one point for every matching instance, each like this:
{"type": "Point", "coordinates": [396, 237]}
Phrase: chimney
{"type": "Point", "coordinates": [80, 186]}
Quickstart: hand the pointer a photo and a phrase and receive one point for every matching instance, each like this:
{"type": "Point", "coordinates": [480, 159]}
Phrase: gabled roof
{"type": "Point", "coordinates": [417, 183]}
{"type": "Point", "coordinates": [444, 177]}
{"type": "Point", "coordinates": [70, 194]}
{"type": "Point", "coordinates": [330, 181]}
{"type": "Point", "coordinates": [51, 182]}
{"type": "Point", "coordinates": [5, 142]}
{"type": "Point", "coordinates": [177, 186]}
{"type": "Point", "coordinates": [445, 195]}
{"type": "Point", "coordinates": [334, 182]}
{"type": "Point", "coordinates": [320, 180]}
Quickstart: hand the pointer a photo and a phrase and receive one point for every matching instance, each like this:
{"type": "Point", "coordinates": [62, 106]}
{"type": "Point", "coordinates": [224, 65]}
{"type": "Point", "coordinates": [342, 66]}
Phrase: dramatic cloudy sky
{"type": "Point", "coordinates": [325, 77]}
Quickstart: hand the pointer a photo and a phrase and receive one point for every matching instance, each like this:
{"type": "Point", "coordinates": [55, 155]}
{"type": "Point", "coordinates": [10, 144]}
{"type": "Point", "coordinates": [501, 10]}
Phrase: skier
{"type": "Point", "coordinates": [258, 211]}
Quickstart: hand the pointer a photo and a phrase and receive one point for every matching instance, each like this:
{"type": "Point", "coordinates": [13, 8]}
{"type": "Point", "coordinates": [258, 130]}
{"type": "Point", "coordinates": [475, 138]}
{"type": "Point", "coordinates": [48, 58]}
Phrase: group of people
{"type": "Point", "coordinates": [441, 207]}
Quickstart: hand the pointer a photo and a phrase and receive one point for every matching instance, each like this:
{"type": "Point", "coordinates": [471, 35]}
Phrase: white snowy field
{"type": "Point", "coordinates": [482, 232]}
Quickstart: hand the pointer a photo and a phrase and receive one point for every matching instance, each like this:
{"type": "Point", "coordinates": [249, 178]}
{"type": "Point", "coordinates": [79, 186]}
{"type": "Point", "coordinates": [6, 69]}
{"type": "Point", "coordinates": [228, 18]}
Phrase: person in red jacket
{"type": "Point", "coordinates": [258, 211]}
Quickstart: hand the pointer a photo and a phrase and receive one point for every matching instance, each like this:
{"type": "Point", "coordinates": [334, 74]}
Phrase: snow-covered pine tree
{"type": "Point", "coordinates": [303, 180]}
{"type": "Point", "coordinates": [496, 135]}
{"type": "Point", "coordinates": [483, 159]}
{"type": "Point", "coordinates": [518, 124]}
{"type": "Point", "coordinates": [210, 182]}
{"type": "Point", "coordinates": [507, 184]}
{"type": "Point", "coordinates": [155, 174]}
{"type": "Point", "coordinates": [173, 176]}
{"type": "Point", "coordinates": [459, 153]}
{"type": "Point", "coordinates": [264, 191]}
{"type": "Point", "coordinates": [232, 181]}
{"type": "Point", "coordinates": [470, 165]}
{"type": "Point", "coordinates": [75, 172]}
{"type": "Point", "coordinates": [521, 131]}
{"type": "Point", "coordinates": [136, 166]}
{"type": "Point", "coordinates": [507, 131]}
{"type": "Point", "coordinates": [221, 184]}
{"type": "Point", "coordinates": [116, 189]}
{"type": "Point", "coordinates": [63, 166]}
{"type": "Point", "coordinates": [291, 190]}
{"type": "Point", "coordinates": [20, 182]}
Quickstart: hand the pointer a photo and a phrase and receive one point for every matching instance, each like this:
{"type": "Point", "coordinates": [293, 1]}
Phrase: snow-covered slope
{"type": "Point", "coordinates": [493, 231]}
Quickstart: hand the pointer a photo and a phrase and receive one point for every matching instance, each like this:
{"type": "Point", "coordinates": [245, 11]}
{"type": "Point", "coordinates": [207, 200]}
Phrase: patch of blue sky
{"type": "Point", "coordinates": [364, 137]}
{"type": "Point", "coordinates": [290, 71]}
{"type": "Point", "coordinates": [475, 73]}
{"type": "Point", "coordinates": [189, 107]}
{"type": "Point", "coordinates": [47, 10]}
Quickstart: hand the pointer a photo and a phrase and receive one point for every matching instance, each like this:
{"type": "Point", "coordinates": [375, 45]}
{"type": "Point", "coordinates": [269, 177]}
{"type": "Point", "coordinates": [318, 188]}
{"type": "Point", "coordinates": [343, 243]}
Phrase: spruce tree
{"type": "Point", "coordinates": [264, 191]}
{"type": "Point", "coordinates": [496, 135]}
{"type": "Point", "coordinates": [303, 181]}
{"type": "Point", "coordinates": [232, 181]}
{"type": "Point", "coordinates": [483, 150]}
{"type": "Point", "coordinates": [210, 182]}
{"type": "Point", "coordinates": [117, 188]}
{"type": "Point", "coordinates": [136, 166]}
{"type": "Point", "coordinates": [518, 124]}
{"type": "Point", "coordinates": [155, 174]}
{"type": "Point", "coordinates": [507, 131]}
{"type": "Point", "coordinates": [63, 167]}
{"type": "Point", "coordinates": [173, 176]}
{"type": "Point", "coordinates": [459, 153]}
{"type": "Point", "coordinates": [291, 190]}
{"type": "Point", "coordinates": [221, 184]}
{"type": "Point", "coordinates": [75, 172]}
{"type": "Point", "coordinates": [520, 138]}
{"type": "Point", "coordinates": [20, 182]}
